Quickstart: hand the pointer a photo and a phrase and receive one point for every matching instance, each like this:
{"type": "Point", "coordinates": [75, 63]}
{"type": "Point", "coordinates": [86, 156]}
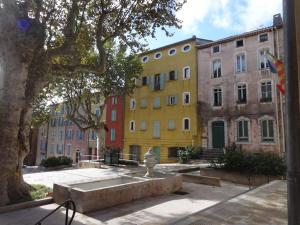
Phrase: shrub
{"type": "Point", "coordinates": [56, 161]}
{"type": "Point", "coordinates": [128, 162]}
{"type": "Point", "coordinates": [262, 163]}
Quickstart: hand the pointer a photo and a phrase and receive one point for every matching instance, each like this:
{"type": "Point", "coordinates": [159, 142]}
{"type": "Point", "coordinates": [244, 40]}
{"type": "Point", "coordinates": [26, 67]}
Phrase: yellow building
{"type": "Point", "coordinates": [162, 112]}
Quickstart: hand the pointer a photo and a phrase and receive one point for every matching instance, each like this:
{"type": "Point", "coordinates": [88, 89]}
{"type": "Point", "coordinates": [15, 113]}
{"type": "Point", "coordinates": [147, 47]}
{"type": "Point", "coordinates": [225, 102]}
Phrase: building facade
{"type": "Point", "coordinates": [238, 100]}
{"type": "Point", "coordinates": [162, 112]}
{"type": "Point", "coordinates": [114, 122]}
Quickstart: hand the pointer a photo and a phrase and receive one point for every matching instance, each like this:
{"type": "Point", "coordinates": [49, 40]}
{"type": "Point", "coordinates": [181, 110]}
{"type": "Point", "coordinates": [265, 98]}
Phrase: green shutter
{"type": "Point", "coordinates": [162, 81]}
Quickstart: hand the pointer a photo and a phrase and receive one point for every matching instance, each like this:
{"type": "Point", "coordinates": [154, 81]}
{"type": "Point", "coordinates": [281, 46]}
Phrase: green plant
{"type": "Point", "coordinates": [56, 161]}
{"type": "Point", "coordinates": [184, 155]}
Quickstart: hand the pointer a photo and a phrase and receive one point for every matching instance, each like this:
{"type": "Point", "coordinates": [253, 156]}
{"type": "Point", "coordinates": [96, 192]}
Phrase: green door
{"type": "Point", "coordinates": [218, 134]}
{"type": "Point", "coordinates": [156, 150]}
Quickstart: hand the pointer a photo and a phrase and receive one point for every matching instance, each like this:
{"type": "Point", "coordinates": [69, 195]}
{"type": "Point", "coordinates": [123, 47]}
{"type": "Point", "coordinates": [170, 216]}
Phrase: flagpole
{"type": "Point", "coordinates": [292, 112]}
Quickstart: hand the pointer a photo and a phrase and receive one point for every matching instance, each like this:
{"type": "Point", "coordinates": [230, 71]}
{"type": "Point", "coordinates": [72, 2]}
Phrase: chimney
{"type": "Point", "coordinates": [277, 20]}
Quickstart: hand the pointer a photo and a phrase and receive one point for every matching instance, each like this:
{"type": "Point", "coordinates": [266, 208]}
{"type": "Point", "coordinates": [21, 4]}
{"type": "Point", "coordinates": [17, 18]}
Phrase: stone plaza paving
{"type": "Point", "coordinates": [207, 205]}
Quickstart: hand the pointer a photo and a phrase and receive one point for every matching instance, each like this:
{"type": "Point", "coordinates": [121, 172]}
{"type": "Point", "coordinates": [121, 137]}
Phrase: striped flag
{"type": "Point", "coordinates": [277, 66]}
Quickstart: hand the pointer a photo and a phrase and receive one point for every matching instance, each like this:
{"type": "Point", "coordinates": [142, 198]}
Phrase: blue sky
{"type": "Point", "coordinates": [215, 19]}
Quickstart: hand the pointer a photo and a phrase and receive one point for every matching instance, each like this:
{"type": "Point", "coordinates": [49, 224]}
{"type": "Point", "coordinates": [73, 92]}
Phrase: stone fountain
{"type": "Point", "coordinates": [150, 162]}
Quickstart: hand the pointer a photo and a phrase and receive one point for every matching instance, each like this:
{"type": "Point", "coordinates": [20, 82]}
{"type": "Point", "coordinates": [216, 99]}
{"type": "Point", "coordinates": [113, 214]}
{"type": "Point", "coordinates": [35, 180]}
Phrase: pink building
{"type": "Point", "coordinates": [238, 100]}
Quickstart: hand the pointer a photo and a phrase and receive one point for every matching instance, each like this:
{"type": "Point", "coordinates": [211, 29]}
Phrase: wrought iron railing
{"type": "Point", "coordinates": [67, 205]}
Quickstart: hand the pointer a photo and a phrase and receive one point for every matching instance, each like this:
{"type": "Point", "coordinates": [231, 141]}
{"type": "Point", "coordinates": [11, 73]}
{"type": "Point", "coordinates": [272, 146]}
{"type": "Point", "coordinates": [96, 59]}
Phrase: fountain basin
{"type": "Point", "coordinates": [101, 194]}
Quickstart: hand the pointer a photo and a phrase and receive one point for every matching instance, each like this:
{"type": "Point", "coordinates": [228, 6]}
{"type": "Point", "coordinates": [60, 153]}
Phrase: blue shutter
{"type": "Point", "coordinates": [176, 75]}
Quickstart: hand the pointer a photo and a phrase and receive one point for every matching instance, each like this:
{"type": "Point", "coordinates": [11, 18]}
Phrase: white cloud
{"type": "Point", "coordinates": [236, 15]}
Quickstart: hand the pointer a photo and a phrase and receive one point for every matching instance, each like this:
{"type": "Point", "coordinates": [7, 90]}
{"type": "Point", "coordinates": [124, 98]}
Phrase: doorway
{"type": "Point", "coordinates": [218, 134]}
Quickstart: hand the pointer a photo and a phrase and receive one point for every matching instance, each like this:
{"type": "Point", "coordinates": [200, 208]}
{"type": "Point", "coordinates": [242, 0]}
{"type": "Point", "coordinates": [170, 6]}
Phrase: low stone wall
{"type": "Point", "coordinates": [198, 179]}
{"type": "Point", "coordinates": [96, 199]}
{"type": "Point", "coordinates": [87, 164]}
{"type": "Point", "coordinates": [235, 177]}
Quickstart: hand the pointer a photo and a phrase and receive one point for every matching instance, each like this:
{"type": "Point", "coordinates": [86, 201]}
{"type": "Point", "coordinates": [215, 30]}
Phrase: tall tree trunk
{"type": "Point", "coordinates": [13, 75]}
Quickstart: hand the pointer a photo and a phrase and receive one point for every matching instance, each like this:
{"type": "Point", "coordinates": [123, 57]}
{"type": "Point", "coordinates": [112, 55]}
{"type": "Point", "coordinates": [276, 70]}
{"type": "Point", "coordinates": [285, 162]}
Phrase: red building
{"type": "Point", "coordinates": [114, 121]}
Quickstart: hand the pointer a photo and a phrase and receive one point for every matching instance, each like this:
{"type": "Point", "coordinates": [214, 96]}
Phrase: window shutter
{"type": "Point", "coordinates": [167, 100]}
{"type": "Point", "coordinates": [148, 80]}
{"type": "Point", "coordinates": [175, 100]}
{"type": "Point", "coordinates": [151, 83]}
{"type": "Point", "coordinates": [162, 81]}
{"type": "Point", "coordinates": [176, 75]}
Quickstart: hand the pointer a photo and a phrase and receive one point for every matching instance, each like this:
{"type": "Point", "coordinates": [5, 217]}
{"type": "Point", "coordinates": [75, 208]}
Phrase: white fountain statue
{"type": "Point", "coordinates": [150, 162]}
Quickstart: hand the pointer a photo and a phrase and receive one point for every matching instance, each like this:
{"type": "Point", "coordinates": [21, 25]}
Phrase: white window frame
{"type": "Point", "coordinates": [236, 130]}
{"type": "Point", "coordinates": [183, 98]}
{"type": "Point", "coordinates": [213, 97]}
{"type": "Point", "coordinates": [260, 120]}
{"type": "Point", "coordinates": [236, 94]}
{"type": "Point", "coordinates": [259, 59]}
{"type": "Point", "coordinates": [235, 62]}
{"type": "Point", "coordinates": [132, 104]}
{"type": "Point", "coordinates": [187, 45]}
{"type": "Point", "coordinates": [170, 102]}
{"type": "Point", "coordinates": [260, 93]}
{"type": "Point", "coordinates": [183, 124]}
{"type": "Point", "coordinates": [188, 74]}
{"type": "Point", "coordinates": [133, 123]}
{"type": "Point", "coordinates": [114, 100]}
{"type": "Point", "coordinates": [146, 59]}
{"type": "Point", "coordinates": [169, 51]}
{"type": "Point", "coordinates": [212, 68]}
{"type": "Point", "coordinates": [113, 129]}
{"type": "Point", "coordinates": [69, 147]}
{"type": "Point", "coordinates": [158, 53]}
{"type": "Point", "coordinates": [113, 119]}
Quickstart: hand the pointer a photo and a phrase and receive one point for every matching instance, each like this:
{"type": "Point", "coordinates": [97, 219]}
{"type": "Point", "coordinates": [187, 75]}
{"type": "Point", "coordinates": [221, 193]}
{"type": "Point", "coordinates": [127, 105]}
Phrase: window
{"type": "Point", "coordinates": [186, 73]}
{"type": "Point", "coordinates": [114, 100]}
{"type": "Point", "coordinates": [239, 43]}
{"type": "Point", "coordinates": [144, 103]}
{"type": "Point", "coordinates": [156, 102]}
{"type": "Point", "coordinates": [240, 63]}
{"type": "Point", "coordinates": [216, 68]}
{"type": "Point", "coordinates": [112, 134]}
{"type": "Point", "coordinates": [69, 149]}
{"type": "Point", "coordinates": [69, 134]}
{"type": "Point", "coordinates": [173, 152]}
{"type": "Point", "coordinates": [114, 115]}
{"type": "Point", "coordinates": [266, 91]}
{"type": "Point", "coordinates": [145, 59]}
{"type": "Point", "coordinates": [186, 98]}
{"type": "Point", "coordinates": [241, 93]}
{"type": "Point", "coordinates": [171, 124]}
{"type": "Point", "coordinates": [216, 49]}
{"type": "Point", "coordinates": [157, 82]}
{"type": "Point", "coordinates": [172, 51]}
{"type": "Point", "coordinates": [217, 97]}
{"type": "Point", "coordinates": [132, 104]}
{"type": "Point", "coordinates": [143, 125]}
{"type": "Point", "coordinates": [94, 135]}
{"type": "Point", "coordinates": [144, 81]}
{"type": "Point", "coordinates": [80, 135]}
{"type": "Point", "coordinates": [97, 113]}
{"type": "Point", "coordinates": [242, 131]}
{"type": "Point", "coordinates": [263, 37]}
{"type": "Point", "coordinates": [132, 126]}
{"type": "Point", "coordinates": [186, 124]}
{"type": "Point", "coordinates": [172, 100]}
{"type": "Point", "coordinates": [263, 61]}
{"type": "Point", "coordinates": [186, 48]}
{"type": "Point", "coordinates": [158, 55]}
{"type": "Point", "coordinates": [60, 135]}
{"type": "Point", "coordinates": [267, 130]}
{"type": "Point", "coordinates": [156, 129]}
{"type": "Point", "coordinates": [172, 75]}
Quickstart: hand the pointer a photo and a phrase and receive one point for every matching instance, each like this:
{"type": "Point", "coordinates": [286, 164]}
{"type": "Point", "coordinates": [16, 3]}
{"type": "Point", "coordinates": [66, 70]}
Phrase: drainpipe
{"type": "Point", "coordinates": [292, 112]}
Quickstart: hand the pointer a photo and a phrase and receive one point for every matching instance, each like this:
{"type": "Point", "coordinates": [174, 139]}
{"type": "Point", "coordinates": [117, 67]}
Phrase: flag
{"type": "Point", "coordinates": [277, 66]}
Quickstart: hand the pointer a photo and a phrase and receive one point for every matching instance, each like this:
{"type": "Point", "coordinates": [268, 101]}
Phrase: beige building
{"type": "Point", "coordinates": [238, 100]}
